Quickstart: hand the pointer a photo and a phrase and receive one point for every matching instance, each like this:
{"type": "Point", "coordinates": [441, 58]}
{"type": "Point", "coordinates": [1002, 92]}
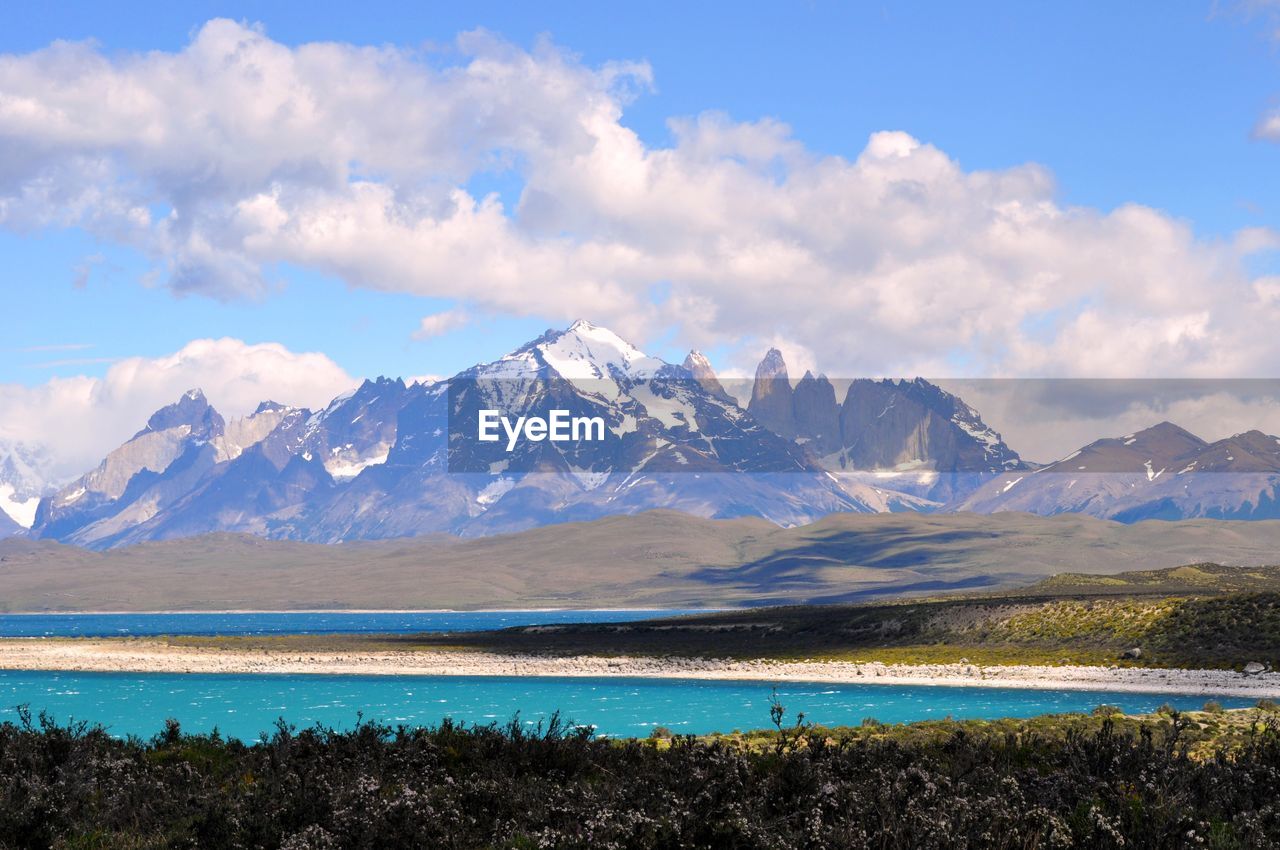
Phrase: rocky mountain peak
{"type": "Point", "coordinates": [1162, 445]}
{"type": "Point", "coordinates": [192, 410]}
{"type": "Point", "coordinates": [773, 366]}
{"type": "Point", "coordinates": [695, 361]}
{"type": "Point", "coordinates": [816, 413]}
{"type": "Point", "coordinates": [699, 366]}
{"type": "Point", "coordinates": [1167, 430]}
{"type": "Point", "coordinates": [771, 395]}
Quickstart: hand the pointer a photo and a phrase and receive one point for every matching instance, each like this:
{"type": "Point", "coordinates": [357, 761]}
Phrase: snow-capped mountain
{"type": "Point", "coordinates": [660, 417]}
{"type": "Point", "coordinates": [1162, 472]}
{"type": "Point", "coordinates": [671, 443]}
{"type": "Point", "coordinates": [390, 459]}
{"type": "Point", "coordinates": [393, 460]}
{"type": "Point", "coordinates": [21, 486]}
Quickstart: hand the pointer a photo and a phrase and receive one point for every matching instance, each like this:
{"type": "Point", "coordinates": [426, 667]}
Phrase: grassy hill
{"type": "Point", "coordinates": [1191, 579]}
{"type": "Point", "coordinates": [1229, 618]}
{"type": "Point", "coordinates": [657, 559]}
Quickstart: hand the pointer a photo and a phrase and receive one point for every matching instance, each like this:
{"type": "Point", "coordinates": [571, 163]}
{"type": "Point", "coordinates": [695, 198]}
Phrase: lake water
{"type": "Point", "coordinates": [301, 622]}
{"type": "Point", "coordinates": [245, 705]}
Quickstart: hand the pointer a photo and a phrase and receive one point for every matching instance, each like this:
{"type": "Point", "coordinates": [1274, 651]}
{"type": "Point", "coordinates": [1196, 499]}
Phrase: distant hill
{"type": "Point", "coordinates": [653, 559]}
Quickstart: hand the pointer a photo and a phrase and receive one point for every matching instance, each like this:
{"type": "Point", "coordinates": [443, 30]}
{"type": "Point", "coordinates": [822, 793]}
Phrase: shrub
{"type": "Point", "coordinates": [556, 785]}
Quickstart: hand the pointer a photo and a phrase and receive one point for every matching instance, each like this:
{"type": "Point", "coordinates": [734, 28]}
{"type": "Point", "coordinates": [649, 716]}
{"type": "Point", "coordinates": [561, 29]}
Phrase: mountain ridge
{"type": "Point", "coordinates": [390, 459]}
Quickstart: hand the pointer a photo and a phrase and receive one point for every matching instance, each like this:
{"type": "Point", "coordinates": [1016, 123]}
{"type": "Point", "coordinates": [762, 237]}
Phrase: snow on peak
{"type": "Point", "coordinates": [583, 352]}
{"type": "Point", "coordinates": [586, 351]}
{"type": "Point", "coordinates": [696, 360]}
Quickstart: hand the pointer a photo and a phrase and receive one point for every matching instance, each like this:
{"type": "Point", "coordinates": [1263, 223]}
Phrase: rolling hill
{"type": "Point", "coordinates": [653, 559]}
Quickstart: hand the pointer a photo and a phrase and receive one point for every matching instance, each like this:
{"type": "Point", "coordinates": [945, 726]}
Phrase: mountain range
{"type": "Point", "coordinates": [391, 459]}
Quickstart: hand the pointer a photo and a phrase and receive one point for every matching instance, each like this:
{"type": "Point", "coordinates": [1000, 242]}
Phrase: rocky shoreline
{"type": "Point", "coordinates": [143, 655]}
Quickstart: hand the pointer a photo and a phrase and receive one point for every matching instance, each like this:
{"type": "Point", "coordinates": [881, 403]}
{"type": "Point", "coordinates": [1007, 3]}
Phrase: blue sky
{"type": "Point", "coordinates": [1152, 103]}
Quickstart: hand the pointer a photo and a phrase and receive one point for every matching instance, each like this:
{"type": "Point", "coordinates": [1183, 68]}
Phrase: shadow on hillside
{"type": "Point", "coordinates": [799, 568]}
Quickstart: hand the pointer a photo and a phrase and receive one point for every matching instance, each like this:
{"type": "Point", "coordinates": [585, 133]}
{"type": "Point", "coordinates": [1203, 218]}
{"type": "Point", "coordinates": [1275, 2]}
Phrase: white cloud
{"type": "Point", "coordinates": [71, 423]}
{"type": "Point", "coordinates": [354, 161]}
{"type": "Point", "coordinates": [438, 324]}
{"type": "Point", "coordinates": [1268, 127]}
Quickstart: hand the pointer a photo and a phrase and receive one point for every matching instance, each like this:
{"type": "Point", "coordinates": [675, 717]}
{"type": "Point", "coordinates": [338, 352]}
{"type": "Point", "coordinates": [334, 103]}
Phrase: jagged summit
{"type": "Point", "coordinates": [882, 427]}
{"type": "Point", "coordinates": [700, 367]}
{"type": "Point", "coordinates": [772, 366]}
{"type": "Point", "coordinates": [192, 410]}
{"type": "Point", "coordinates": [771, 395]}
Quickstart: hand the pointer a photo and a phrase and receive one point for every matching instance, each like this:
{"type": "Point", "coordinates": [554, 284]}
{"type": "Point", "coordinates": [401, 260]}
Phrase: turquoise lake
{"type": "Point", "coordinates": [244, 706]}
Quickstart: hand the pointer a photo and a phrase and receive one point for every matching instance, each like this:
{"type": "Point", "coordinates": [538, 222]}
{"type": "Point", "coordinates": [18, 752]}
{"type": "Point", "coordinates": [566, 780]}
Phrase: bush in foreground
{"type": "Point", "coordinates": [552, 785]}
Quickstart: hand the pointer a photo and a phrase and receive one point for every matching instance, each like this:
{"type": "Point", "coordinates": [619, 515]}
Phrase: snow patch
{"type": "Point", "coordinates": [21, 511]}
{"type": "Point", "coordinates": [590, 480]}
{"type": "Point", "coordinates": [494, 491]}
{"type": "Point", "coordinates": [674, 412]}
{"type": "Point", "coordinates": [345, 470]}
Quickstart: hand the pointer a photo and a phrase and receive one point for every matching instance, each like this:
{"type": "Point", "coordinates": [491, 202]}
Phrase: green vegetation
{"type": "Point", "coordinates": [1191, 579]}
{"type": "Point", "coordinates": [1059, 781]}
{"type": "Point", "coordinates": [1059, 621]}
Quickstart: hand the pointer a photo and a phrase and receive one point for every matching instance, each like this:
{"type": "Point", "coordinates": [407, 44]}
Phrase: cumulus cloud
{"type": "Point", "coordinates": [438, 324]}
{"type": "Point", "coordinates": [356, 161]}
{"type": "Point", "coordinates": [71, 423]}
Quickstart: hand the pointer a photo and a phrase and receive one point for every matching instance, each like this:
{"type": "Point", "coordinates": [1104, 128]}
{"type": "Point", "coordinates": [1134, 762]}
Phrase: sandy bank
{"type": "Point", "coordinates": [141, 655]}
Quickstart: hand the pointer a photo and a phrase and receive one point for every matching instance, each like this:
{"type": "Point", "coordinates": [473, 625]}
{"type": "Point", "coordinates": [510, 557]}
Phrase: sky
{"type": "Point", "coordinates": [276, 200]}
